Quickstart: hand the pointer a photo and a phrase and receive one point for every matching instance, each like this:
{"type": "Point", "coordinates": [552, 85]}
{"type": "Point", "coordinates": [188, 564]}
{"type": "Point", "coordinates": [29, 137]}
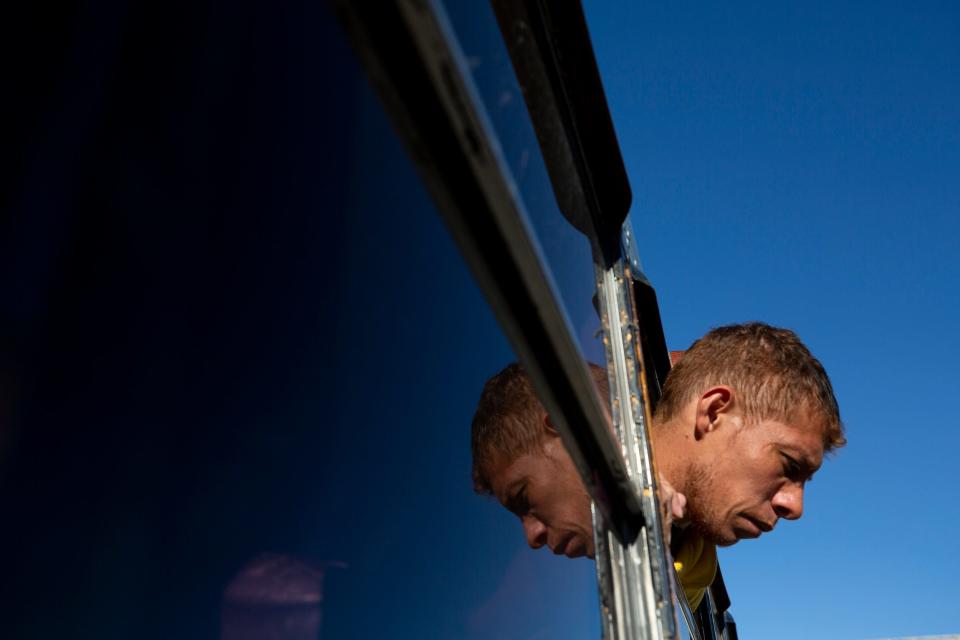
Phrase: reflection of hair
{"type": "Point", "coordinates": [774, 374]}
{"type": "Point", "coordinates": [507, 422]}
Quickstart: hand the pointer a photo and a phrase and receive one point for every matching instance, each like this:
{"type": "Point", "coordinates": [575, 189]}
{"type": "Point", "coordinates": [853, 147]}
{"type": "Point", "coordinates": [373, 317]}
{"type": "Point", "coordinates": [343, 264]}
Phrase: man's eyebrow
{"type": "Point", "coordinates": [807, 466]}
{"type": "Point", "coordinates": [513, 502]}
{"type": "Point", "coordinates": [509, 495]}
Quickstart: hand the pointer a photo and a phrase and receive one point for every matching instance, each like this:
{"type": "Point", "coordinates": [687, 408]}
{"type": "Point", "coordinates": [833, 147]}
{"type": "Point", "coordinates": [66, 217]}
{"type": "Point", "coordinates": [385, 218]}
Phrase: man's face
{"type": "Point", "coordinates": [545, 491]}
{"type": "Point", "coordinates": [752, 476]}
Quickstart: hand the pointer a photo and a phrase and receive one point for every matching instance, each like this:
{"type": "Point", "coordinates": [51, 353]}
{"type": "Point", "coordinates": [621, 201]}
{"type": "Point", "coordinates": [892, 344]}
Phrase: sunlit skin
{"type": "Point", "coordinates": [739, 477]}
{"type": "Point", "coordinates": [728, 478]}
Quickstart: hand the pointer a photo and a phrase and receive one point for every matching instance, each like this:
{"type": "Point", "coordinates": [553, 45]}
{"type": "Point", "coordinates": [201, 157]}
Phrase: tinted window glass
{"type": "Point", "coordinates": [244, 355]}
{"type": "Point", "coordinates": [566, 251]}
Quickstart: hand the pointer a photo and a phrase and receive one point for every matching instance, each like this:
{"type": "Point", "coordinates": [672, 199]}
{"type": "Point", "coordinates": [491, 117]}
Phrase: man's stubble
{"type": "Point", "coordinates": [702, 512]}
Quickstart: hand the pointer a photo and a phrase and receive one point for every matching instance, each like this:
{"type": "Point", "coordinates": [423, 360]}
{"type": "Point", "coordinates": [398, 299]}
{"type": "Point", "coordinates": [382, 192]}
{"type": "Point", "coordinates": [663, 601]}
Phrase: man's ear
{"type": "Point", "coordinates": [713, 404]}
{"type": "Point", "coordinates": [548, 426]}
{"type": "Point", "coordinates": [551, 444]}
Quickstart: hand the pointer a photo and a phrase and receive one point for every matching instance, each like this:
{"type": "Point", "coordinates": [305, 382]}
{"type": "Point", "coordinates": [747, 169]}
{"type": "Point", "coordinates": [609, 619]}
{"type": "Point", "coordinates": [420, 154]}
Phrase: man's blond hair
{"type": "Point", "coordinates": [774, 376]}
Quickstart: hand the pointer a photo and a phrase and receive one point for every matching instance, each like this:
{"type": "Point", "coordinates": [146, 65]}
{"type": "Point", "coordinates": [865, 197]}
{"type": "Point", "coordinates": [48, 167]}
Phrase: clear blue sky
{"type": "Point", "coordinates": [799, 163]}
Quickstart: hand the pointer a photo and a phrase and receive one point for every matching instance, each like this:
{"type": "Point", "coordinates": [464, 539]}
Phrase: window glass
{"type": "Point", "coordinates": [422, 555]}
{"type": "Point", "coordinates": [244, 357]}
{"type": "Point", "coordinates": [566, 250]}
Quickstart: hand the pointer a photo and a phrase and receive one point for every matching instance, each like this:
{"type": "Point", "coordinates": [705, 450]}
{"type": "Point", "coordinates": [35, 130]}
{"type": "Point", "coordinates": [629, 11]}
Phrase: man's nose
{"type": "Point", "coordinates": [788, 501]}
{"type": "Point", "coordinates": [535, 531]}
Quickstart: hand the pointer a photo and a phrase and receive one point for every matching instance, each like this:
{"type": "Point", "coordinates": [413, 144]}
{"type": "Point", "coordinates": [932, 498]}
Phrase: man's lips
{"type": "Point", "coordinates": [763, 526]}
{"type": "Point", "coordinates": [569, 546]}
{"type": "Point", "coordinates": [561, 547]}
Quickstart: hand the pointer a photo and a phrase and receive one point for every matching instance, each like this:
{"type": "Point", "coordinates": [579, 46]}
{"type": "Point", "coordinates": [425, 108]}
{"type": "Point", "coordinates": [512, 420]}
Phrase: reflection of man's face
{"type": "Point", "coordinates": [545, 491]}
{"type": "Point", "coordinates": [752, 476]}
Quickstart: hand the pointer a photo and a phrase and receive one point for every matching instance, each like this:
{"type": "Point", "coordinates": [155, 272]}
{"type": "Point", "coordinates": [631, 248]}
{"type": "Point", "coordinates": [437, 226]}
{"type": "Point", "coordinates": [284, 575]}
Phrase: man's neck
{"type": "Point", "coordinates": [671, 452]}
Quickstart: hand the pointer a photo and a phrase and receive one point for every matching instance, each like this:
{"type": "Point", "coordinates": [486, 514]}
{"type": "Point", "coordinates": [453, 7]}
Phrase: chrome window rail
{"type": "Point", "coordinates": [635, 576]}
